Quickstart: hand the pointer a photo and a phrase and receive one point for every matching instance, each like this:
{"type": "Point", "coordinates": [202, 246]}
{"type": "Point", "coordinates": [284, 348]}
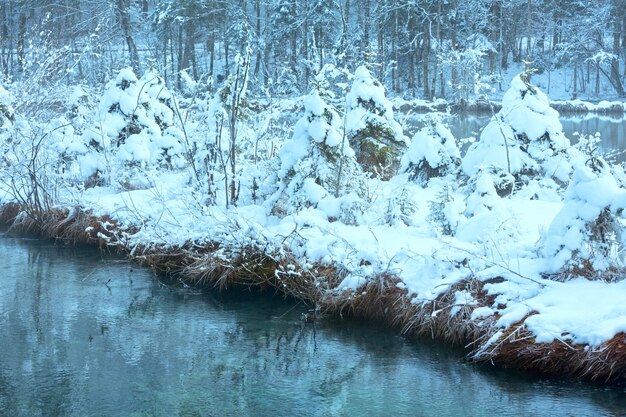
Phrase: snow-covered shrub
{"type": "Point", "coordinates": [483, 194]}
{"type": "Point", "coordinates": [137, 128]}
{"type": "Point", "coordinates": [210, 145]}
{"type": "Point", "coordinates": [286, 84]}
{"type": "Point", "coordinates": [331, 81]}
{"type": "Point", "coordinates": [525, 138]}
{"type": "Point", "coordinates": [79, 109]}
{"type": "Point", "coordinates": [447, 211]}
{"type": "Point", "coordinates": [585, 237]}
{"type": "Point", "coordinates": [7, 114]}
{"type": "Point", "coordinates": [65, 149]}
{"type": "Point", "coordinates": [372, 131]}
{"type": "Point", "coordinates": [224, 142]}
{"type": "Point", "coordinates": [400, 208]}
{"type": "Point", "coordinates": [433, 153]}
{"type": "Point", "coordinates": [318, 162]}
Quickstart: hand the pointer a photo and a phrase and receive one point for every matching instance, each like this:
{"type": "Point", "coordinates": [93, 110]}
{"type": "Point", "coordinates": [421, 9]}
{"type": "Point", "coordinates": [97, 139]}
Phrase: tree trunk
{"type": "Point", "coordinates": [21, 34]}
{"type": "Point", "coordinates": [180, 56]}
{"type": "Point", "coordinates": [529, 12]}
{"type": "Point", "coordinates": [211, 48]}
{"type": "Point", "coordinates": [294, 40]}
{"type": "Point", "coordinates": [4, 35]}
{"type": "Point", "coordinates": [123, 10]}
{"type": "Point", "coordinates": [366, 26]}
{"type": "Point", "coordinates": [597, 89]}
{"type": "Point", "coordinates": [381, 54]}
{"type": "Point", "coordinates": [575, 92]}
{"type": "Point", "coordinates": [615, 75]}
{"type": "Point", "coordinates": [453, 73]}
{"type": "Point", "coordinates": [257, 63]}
{"type": "Point", "coordinates": [425, 56]}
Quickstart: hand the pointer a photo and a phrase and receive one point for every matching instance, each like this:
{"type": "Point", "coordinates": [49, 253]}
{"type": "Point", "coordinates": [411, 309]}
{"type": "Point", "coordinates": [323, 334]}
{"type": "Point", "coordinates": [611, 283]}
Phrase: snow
{"type": "Point", "coordinates": [580, 311]}
{"type": "Point", "coordinates": [526, 134]}
{"type": "Point", "coordinates": [462, 224]}
{"type": "Point", "coordinates": [366, 91]}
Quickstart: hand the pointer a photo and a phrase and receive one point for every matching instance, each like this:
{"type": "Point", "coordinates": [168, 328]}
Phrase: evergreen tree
{"type": "Point", "coordinates": [137, 128]}
{"type": "Point", "coordinates": [374, 134]}
{"type": "Point", "coordinates": [524, 139]}
{"type": "Point", "coordinates": [587, 234]}
{"type": "Point", "coordinates": [433, 153]}
{"type": "Point", "coordinates": [317, 162]}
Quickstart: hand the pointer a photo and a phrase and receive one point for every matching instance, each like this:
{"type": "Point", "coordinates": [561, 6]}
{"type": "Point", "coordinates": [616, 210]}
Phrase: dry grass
{"type": "Point", "coordinates": [76, 227]}
{"type": "Point", "coordinates": [382, 300]}
{"type": "Point", "coordinates": [517, 349]}
{"type": "Point", "coordinates": [8, 213]}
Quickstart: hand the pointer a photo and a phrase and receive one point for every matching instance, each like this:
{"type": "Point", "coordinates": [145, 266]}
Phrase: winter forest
{"type": "Point", "coordinates": [305, 146]}
{"type": "Point", "coordinates": [436, 48]}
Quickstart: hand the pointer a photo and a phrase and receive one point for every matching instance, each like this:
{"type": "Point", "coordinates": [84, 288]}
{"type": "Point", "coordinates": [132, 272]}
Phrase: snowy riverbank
{"type": "Point", "coordinates": [487, 293]}
{"type": "Point", "coordinates": [513, 249]}
{"type": "Point", "coordinates": [565, 107]}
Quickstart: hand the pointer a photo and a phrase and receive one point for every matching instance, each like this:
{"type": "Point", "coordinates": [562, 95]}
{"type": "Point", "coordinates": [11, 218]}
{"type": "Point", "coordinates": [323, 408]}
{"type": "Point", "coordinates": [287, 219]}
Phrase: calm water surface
{"type": "Point", "coordinates": [82, 335]}
{"type": "Point", "coordinates": [612, 129]}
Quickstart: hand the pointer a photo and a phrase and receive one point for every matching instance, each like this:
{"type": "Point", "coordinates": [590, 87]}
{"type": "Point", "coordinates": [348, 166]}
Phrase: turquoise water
{"type": "Point", "coordinates": [86, 335]}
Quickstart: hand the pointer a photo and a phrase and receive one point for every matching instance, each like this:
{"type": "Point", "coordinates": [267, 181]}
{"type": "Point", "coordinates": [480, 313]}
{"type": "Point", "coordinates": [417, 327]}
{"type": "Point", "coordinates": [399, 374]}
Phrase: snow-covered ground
{"type": "Point", "coordinates": [536, 220]}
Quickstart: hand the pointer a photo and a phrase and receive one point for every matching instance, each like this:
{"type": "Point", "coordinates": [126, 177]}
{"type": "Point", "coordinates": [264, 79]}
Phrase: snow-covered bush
{"type": "Point", "coordinates": [318, 162]}
{"type": "Point", "coordinates": [433, 153]}
{"type": "Point", "coordinates": [447, 211]}
{"type": "Point", "coordinates": [525, 138]}
{"type": "Point", "coordinates": [400, 207]}
{"type": "Point", "coordinates": [372, 131]}
{"type": "Point", "coordinates": [585, 237]}
{"type": "Point", "coordinates": [210, 146]}
{"type": "Point", "coordinates": [79, 109]}
{"type": "Point", "coordinates": [137, 129]}
{"type": "Point", "coordinates": [332, 82]}
{"type": "Point", "coordinates": [223, 145]}
{"type": "Point", "coordinates": [483, 192]}
{"type": "Point", "coordinates": [65, 149]}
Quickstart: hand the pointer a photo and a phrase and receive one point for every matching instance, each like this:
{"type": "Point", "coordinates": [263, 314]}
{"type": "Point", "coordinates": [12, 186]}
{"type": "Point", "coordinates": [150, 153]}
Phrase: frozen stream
{"type": "Point", "coordinates": [85, 335]}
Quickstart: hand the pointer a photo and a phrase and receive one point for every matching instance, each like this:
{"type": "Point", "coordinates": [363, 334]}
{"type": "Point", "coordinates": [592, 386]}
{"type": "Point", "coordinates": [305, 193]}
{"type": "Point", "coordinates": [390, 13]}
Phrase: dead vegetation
{"type": "Point", "coordinates": [516, 349]}
{"type": "Point", "coordinates": [73, 227]}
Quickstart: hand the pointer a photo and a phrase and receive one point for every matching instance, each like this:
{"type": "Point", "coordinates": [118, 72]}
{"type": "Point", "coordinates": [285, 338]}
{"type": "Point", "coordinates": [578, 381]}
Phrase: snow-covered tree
{"type": "Point", "coordinates": [466, 63]}
{"type": "Point", "coordinates": [447, 211]}
{"type": "Point", "coordinates": [433, 153]}
{"type": "Point", "coordinates": [137, 128]}
{"type": "Point", "coordinates": [7, 114]}
{"type": "Point", "coordinates": [217, 151]}
{"type": "Point", "coordinates": [374, 134]}
{"type": "Point", "coordinates": [586, 235]}
{"type": "Point", "coordinates": [483, 194]}
{"type": "Point", "coordinates": [525, 138]}
{"type": "Point", "coordinates": [317, 162]}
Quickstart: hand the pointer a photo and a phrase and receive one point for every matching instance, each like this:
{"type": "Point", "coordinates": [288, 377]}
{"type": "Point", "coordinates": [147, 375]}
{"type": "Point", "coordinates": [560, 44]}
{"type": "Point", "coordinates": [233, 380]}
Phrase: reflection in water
{"type": "Point", "coordinates": [75, 344]}
{"type": "Point", "coordinates": [612, 129]}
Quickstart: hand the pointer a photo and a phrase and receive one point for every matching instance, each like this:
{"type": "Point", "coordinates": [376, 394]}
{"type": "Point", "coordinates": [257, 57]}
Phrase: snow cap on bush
{"type": "Point", "coordinates": [433, 153]}
{"type": "Point", "coordinates": [585, 231]}
{"type": "Point", "coordinates": [317, 162]}
{"type": "Point", "coordinates": [525, 138]}
{"type": "Point", "coordinates": [370, 126]}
